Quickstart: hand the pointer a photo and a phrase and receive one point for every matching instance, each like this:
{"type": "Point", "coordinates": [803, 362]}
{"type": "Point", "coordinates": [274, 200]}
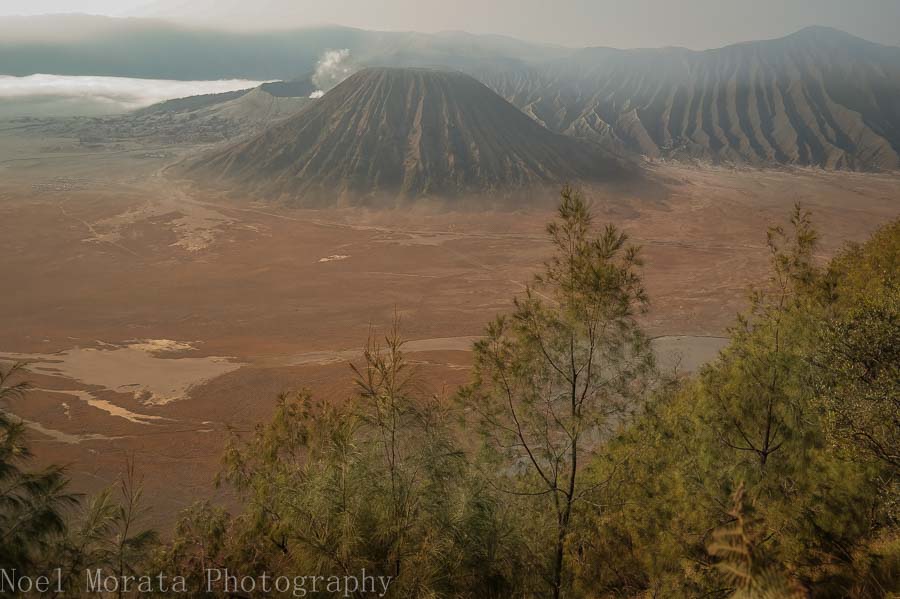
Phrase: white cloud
{"type": "Point", "coordinates": [108, 94]}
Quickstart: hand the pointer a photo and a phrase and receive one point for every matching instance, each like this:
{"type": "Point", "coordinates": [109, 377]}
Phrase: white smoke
{"type": "Point", "coordinates": [333, 67]}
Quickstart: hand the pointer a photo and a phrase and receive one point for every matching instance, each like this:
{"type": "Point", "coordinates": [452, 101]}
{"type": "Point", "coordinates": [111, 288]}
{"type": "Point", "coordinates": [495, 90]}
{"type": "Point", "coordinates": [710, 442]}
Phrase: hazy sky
{"type": "Point", "coordinates": [620, 23]}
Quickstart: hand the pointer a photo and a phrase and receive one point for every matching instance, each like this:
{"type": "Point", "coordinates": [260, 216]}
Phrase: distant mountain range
{"type": "Point", "coordinates": [407, 133]}
{"type": "Point", "coordinates": [819, 97]}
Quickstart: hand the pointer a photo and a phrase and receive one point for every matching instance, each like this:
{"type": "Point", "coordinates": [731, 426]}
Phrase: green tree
{"type": "Point", "coordinates": [557, 376]}
{"type": "Point", "coordinates": [106, 534]}
{"type": "Point", "coordinates": [755, 415]}
{"type": "Point", "coordinates": [860, 381]}
{"type": "Point", "coordinates": [858, 359]}
{"type": "Point", "coordinates": [32, 502]}
{"type": "Point", "coordinates": [373, 482]}
{"type": "Point", "coordinates": [757, 386]}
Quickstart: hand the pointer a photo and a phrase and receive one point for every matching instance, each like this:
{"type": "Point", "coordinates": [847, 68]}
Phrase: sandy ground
{"type": "Point", "coordinates": [159, 320]}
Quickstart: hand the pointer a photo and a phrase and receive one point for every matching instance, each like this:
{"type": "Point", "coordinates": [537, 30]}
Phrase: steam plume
{"type": "Point", "coordinates": [333, 67]}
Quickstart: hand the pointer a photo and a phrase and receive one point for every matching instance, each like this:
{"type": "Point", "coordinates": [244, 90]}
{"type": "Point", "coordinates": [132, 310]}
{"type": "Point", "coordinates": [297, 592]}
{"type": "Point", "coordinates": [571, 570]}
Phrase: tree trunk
{"type": "Point", "coordinates": [558, 564]}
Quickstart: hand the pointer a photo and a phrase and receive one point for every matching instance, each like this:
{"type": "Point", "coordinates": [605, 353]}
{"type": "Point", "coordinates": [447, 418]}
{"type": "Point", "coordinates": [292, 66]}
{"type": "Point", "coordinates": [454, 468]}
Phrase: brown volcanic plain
{"type": "Point", "coordinates": [157, 317]}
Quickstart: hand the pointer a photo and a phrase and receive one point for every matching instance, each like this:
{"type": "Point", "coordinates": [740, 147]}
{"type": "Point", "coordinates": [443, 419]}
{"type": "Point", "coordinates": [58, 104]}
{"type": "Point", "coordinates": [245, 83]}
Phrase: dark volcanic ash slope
{"type": "Point", "coordinates": [819, 97]}
{"type": "Point", "coordinates": [407, 133]}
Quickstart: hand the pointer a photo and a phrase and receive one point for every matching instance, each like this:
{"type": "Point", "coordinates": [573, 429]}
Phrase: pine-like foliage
{"type": "Point", "coordinates": [737, 546]}
{"type": "Point", "coordinates": [858, 359]}
{"type": "Point", "coordinates": [374, 482]}
{"type": "Point", "coordinates": [557, 377]}
{"type": "Point", "coordinates": [32, 502]}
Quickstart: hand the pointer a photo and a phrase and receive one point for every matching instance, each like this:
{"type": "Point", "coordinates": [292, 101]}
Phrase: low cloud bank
{"type": "Point", "coordinates": [59, 95]}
